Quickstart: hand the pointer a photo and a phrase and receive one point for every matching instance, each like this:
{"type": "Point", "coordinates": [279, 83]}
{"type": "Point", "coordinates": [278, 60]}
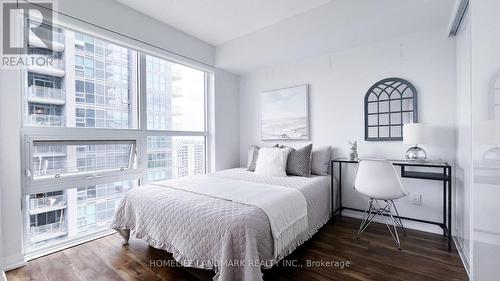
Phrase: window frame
{"type": "Point", "coordinates": [143, 121]}
{"type": "Point", "coordinates": [139, 135]}
{"type": "Point", "coordinates": [83, 135]}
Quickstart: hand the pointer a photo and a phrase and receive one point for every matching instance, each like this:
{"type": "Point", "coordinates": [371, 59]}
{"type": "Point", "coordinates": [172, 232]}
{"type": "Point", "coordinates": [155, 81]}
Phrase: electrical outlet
{"type": "Point", "coordinates": [416, 199]}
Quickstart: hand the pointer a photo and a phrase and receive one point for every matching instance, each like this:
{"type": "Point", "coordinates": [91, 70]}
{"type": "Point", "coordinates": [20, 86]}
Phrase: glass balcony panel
{"type": "Point", "coordinates": [56, 201]}
{"type": "Point", "coordinates": [46, 32]}
{"type": "Point", "coordinates": [87, 209]}
{"type": "Point", "coordinates": [46, 233]}
{"type": "Point", "coordinates": [46, 93]}
{"type": "Point", "coordinates": [44, 120]}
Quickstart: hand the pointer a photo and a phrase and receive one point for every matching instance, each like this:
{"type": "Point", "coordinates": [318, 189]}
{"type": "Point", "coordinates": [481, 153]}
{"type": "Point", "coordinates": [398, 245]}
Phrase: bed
{"type": "Point", "coordinates": [212, 232]}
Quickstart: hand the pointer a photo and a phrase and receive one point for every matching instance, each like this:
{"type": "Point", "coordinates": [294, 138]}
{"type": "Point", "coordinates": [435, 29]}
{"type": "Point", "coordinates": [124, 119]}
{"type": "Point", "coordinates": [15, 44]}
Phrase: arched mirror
{"type": "Point", "coordinates": [389, 104]}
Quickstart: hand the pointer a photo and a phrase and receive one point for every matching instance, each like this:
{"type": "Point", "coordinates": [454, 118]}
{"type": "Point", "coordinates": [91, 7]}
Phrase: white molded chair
{"type": "Point", "coordinates": [378, 180]}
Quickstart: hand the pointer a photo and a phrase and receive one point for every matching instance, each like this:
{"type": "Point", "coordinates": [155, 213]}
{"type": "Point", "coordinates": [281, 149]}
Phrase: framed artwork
{"type": "Point", "coordinates": [285, 114]}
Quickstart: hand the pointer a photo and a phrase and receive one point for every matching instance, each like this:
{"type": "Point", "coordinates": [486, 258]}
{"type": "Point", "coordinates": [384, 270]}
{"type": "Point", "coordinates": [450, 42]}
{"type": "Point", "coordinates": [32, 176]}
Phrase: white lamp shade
{"type": "Point", "coordinates": [488, 132]}
{"type": "Point", "coordinates": [415, 133]}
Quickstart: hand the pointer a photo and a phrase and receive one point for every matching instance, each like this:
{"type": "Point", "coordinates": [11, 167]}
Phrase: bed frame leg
{"type": "Point", "coordinates": [125, 234]}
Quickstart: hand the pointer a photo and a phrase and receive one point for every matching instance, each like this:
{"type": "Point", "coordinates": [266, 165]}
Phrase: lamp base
{"type": "Point", "coordinates": [416, 153]}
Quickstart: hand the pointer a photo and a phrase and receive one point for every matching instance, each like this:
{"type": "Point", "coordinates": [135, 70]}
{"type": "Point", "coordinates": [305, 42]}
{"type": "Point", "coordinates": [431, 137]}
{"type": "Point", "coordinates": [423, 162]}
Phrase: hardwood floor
{"type": "Point", "coordinates": [372, 257]}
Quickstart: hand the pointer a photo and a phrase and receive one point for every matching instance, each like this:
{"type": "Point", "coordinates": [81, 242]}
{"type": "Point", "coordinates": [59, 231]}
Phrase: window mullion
{"type": "Point", "coordinates": [142, 150]}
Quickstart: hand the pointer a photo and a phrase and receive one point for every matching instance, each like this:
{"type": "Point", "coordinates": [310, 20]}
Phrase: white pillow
{"type": "Point", "coordinates": [272, 162]}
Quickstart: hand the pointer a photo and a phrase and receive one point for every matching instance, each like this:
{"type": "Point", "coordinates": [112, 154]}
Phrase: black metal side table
{"type": "Point", "coordinates": [443, 175]}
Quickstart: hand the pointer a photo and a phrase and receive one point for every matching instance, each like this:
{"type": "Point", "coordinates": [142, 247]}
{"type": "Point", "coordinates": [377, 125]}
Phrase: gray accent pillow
{"type": "Point", "coordinates": [253, 153]}
{"type": "Point", "coordinates": [299, 161]}
{"type": "Point", "coordinates": [320, 160]}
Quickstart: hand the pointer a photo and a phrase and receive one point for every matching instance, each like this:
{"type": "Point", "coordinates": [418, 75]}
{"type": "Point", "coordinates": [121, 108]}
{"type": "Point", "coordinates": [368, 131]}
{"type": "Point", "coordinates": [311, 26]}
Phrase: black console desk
{"type": "Point", "coordinates": [443, 173]}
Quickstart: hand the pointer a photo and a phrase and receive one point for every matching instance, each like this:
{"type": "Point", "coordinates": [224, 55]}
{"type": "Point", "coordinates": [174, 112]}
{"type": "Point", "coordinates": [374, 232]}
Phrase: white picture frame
{"type": "Point", "coordinates": [285, 113]}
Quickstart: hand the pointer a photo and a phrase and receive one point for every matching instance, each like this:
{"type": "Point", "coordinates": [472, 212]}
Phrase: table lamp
{"type": "Point", "coordinates": [488, 132]}
{"type": "Point", "coordinates": [415, 134]}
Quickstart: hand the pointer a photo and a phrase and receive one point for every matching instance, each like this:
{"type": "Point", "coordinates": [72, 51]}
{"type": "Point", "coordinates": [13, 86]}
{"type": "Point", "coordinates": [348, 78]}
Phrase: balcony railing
{"type": "Point", "coordinates": [176, 74]}
{"type": "Point", "coordinates": [46, 120]}
{"type": "Point", "coordinates": [45, 93]}
{"type": "Point", "coordinates": [176, 92]}
{"type": "Point", "coordinates": [176, 110]}
{"type": "Point", "coordinates": [48, 61]}
{"type": "Point", "coordinates": [48, 231]}
{"type": "Point", "coordinates": [45, 32]}
{"type": "Point", "coordinates": [47, 202]}
{"type": "Point", "coordinates": [48, 149]}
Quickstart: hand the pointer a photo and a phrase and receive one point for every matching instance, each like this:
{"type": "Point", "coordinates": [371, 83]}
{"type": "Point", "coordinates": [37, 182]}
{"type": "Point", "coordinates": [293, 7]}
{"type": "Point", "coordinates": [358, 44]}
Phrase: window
{"type": "Point", "coordinates": [58, 215]}
{"type": "Point", "coordinates": [175, 97]}
{"type": "Point", "coordinates": [72, 158]}
{"type": "Point", "coordinates": [87, 141]}
{"type": "Point", "coordinates": [119, 99]}
{"type": "Point", "coordinates": [174, 156]}
{"type": "Point", "coordinates": [389, 104]}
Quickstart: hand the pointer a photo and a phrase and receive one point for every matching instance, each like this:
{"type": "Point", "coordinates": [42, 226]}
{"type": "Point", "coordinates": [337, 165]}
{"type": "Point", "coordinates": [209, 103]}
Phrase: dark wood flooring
{"type": "Point", "coordinates": [372, 257]}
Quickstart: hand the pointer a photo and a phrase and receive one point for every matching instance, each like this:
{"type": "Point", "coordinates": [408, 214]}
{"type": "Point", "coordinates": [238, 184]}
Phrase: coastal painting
{"type": "Point", "coordinates": [285, 114]}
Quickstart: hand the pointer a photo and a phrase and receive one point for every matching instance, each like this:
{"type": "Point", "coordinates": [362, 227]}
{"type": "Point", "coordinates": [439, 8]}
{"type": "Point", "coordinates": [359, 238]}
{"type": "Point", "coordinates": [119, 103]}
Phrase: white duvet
{"type": "Point", "coordinates": [227, 235]}
{"type": "Point", "coordinates": [285, 207]}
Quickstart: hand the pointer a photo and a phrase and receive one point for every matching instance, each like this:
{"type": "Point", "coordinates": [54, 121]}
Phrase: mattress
{"type": "Point", "coordinates": [231, 238]}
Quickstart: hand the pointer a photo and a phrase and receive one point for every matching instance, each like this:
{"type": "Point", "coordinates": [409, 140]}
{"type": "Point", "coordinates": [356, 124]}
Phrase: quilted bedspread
{"type": "Point", "coordinates": [231, 238]}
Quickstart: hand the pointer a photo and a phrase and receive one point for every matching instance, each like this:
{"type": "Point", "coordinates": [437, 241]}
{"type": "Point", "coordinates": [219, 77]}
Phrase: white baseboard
{"type": "Point", "coordinates": [13, 261]}
{"type": "Point", "coordinates": [58, 246]}
{"type": "Point", "coordinates": [461, 253]}
{"type": "Point", "coordinates": [408, 224]}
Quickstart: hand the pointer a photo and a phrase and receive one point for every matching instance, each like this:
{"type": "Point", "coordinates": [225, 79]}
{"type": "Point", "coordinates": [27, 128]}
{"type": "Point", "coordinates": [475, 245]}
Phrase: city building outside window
{"type": "Point", "coordinates": [84, 139]}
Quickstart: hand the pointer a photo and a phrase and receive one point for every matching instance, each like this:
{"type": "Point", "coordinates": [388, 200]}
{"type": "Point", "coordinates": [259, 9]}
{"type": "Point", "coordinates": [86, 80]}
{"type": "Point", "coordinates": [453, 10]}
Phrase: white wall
{"type": "Point", "coordinates": [338, 83]}
{"type": "Point", "coordinates": [226, 120]}
{"type": "Point", "coordinates": [2, 273]}
{"type": "Point", "coordinates": [463, 167]}
{"type": "Point", "coordinates": [10, 180]}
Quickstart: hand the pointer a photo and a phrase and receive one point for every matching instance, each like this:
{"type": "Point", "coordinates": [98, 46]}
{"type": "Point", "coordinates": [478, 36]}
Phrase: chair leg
{"type": "Point", "coordinates": [370, 214]}
{"type": "Point", "coordinates": [394, 235]}
{"type": "Point", "coordinates": [367, 214]}
{"type": "Point", "coordinates": [399, 218]}
{"type": "Point", "coordinates": [372, 211]}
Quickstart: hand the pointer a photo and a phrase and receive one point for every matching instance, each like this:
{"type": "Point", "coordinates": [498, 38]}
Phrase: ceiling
{"type": "Point", "coordinates": [219, 21]}
{"type": "Point", "coordinates": [253, 34]}
{"type": "Point", "coordinates": [334, 27]}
